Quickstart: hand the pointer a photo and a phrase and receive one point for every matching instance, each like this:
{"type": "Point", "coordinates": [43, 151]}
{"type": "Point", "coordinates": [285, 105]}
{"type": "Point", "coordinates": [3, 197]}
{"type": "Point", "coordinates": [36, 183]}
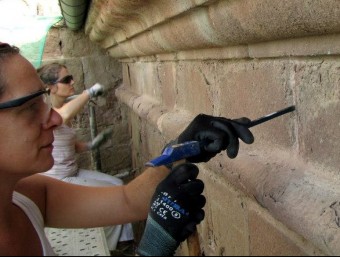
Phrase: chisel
{"type": "Point", "coordinates": [185, 150]}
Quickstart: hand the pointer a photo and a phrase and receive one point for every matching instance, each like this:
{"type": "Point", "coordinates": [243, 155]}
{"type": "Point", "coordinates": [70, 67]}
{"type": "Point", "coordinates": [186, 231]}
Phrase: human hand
{"type": "Point", "coordinates": [217, 134]}
{"type": "Point", "coordinates": [176, 209]}
{"type": "Point", "coordinates": [96, 90]}
{"type": "Point", "coordinates": [100, 139]}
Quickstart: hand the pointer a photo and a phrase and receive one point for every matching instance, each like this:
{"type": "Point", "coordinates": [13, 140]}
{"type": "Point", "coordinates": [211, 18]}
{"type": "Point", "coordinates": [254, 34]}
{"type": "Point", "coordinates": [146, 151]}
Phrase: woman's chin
{"type": "Point", "coordinates": [48, 164]}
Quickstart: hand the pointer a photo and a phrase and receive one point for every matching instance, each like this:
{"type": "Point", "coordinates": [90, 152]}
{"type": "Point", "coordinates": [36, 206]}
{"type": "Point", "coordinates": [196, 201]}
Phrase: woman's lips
{"type": "Point", "coordinates": [48, 147]}
{"type": "Point", "coordinates": [47, 144]}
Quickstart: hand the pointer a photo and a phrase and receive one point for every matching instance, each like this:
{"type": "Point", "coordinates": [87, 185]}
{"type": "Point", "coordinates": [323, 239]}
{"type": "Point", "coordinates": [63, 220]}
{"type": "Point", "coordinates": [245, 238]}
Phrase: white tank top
{"type": "Point", "coordinates": [33, 213]}
{"type": "Point", "coordinates": [64, 153]}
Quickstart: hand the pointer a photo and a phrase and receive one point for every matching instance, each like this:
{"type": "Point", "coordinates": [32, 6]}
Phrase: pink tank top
{"type": "Point", "coordinates": [64, 153]}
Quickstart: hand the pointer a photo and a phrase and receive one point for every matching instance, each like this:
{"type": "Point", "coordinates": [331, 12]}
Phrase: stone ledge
{"type": "Point", "coordinates": [328, 45]}
{"type": "Point", "coordinates": [294, 193]}
{"type": "Point", "coordinates": [208, 25]}
{"type": "Point", "coordinates": [127, 19]}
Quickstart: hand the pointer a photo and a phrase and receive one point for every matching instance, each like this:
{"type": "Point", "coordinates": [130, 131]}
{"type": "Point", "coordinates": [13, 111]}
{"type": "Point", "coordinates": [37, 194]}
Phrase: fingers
{"type": "Point", "coordinates": [107, 134]}
{"type": "Point", "coordinates": [183, 173]}
{"type": "Point", "coordinates": [240, 126]}
{"type": "Point", "coordinates": [192, 188]}
{"type": "Point", "coordinates": [198, 202]}
{"type": "Point", "coordinates": [198, 216]}
{"type": "Point", "coordinates": [234, 145]}
{"type": "Point", "coordinates": [190, 228]}
{"type": "Point", "coordinates": [108, 131]}
{"type": "Point", "coordinates": [235, 129]}
{"type": "Point", "coordinates": [214, 139]}
{"type": "Point", "coordinates": [216, 134]}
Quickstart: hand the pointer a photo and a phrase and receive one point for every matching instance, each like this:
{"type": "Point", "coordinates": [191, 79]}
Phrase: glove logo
{"type": "Point", "coordinates": [163, 205]}
{"type": "Point", "coordinates": [176, 215]}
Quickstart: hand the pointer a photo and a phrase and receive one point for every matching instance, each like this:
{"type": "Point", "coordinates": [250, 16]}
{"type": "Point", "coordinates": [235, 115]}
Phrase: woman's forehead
{"type": "Point", "coordinates": [63, 71]}
{"type": "Point", "coordinates": [21, 77]}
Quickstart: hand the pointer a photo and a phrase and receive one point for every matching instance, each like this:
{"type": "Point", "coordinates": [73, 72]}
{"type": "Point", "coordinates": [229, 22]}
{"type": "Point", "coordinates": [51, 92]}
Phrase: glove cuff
{"type": "Point", "coordinates": [90, 146]}
{"type": "Point", "coordinates": [156, 241]}
{"type": "Point", "coordinates": [90, 92]}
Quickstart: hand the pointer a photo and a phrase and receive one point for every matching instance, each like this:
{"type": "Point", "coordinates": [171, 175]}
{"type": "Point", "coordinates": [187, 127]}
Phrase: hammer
{"type": "Point", "coordinates": [177, 154]}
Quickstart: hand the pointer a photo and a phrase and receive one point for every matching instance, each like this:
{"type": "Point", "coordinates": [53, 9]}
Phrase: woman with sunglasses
{"type": "Point", "coordinates": [60, 83]}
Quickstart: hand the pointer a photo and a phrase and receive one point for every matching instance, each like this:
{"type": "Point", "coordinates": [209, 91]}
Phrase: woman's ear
{"type": "Point", "coordinates": [53, 88]}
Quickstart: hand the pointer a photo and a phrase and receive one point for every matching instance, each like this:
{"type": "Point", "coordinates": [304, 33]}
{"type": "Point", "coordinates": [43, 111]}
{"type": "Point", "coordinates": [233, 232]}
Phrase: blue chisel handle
{"type": "Point", "coordinates": [176, 152]}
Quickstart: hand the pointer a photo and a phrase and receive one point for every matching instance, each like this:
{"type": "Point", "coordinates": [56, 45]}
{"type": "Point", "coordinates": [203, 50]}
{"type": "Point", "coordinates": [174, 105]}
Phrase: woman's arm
{"type": "Point", "coordinates": [71, 206]}
{"type": "Point", "coordinates": [67, 205]}
{"type": "Point", "coordinates": [99, 140]}
{"type": "Point", "coordinates": [72, 108]}
{"type": "Point", "coordinates": [82, 147]}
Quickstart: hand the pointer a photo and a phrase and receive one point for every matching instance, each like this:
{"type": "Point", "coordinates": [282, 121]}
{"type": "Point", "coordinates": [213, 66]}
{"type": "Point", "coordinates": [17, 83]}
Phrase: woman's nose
{"type": "Point", "coordinates": [54, 120]}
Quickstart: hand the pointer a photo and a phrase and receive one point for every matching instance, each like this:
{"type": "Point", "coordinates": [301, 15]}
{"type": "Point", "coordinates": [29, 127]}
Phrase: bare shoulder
{"type": "Point", "coordinates": [34, 187]}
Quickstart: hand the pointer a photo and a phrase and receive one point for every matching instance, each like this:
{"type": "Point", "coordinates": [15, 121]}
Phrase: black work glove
{"type": "Point", "coordinates": [176, 209]}
{"type": "Point", "coordinates": [216, 134]}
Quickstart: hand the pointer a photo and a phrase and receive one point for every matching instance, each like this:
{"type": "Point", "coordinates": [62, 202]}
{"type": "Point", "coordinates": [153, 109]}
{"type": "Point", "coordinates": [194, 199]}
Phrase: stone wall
{"type": "Point", "coordinates": [237, 58]}
{"type": "Point", "coordinates": [90, 64]}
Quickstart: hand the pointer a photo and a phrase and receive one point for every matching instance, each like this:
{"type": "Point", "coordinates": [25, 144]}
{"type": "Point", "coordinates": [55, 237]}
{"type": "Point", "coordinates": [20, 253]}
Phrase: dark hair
{"type": "Point", "coordinates": [49, 73]}
{"type": "Point", "coordinates": [6, 51]}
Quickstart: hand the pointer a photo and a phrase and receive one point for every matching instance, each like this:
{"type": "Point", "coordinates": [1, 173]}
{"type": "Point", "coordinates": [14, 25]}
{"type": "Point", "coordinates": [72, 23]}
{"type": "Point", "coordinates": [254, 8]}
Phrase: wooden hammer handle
{"type": "Point", "coordinates": [193, 240]}
{"type": "Point", "coordinates": [194, 245]}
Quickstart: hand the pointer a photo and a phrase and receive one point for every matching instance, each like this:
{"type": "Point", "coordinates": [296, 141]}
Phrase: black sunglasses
{"type": "Point", "coordinates": [22, 100]}
{"type": "Point", "coordinates": [65, 80]}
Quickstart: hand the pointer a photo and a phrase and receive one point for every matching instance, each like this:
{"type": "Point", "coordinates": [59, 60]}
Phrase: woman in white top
{"type": "Point", "coordinates": [57, 78]}
{"type": "Point", "coordinates": [30, 200]}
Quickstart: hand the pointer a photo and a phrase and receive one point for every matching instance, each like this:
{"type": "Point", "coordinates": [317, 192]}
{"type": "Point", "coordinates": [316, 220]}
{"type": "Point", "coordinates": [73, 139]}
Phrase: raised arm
{"type": "Point", "coordinates": [69, 110]}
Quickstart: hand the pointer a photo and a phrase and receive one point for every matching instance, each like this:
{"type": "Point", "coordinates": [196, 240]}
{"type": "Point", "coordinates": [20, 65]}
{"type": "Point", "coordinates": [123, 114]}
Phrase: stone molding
{"type": "Point", "coordinates": [143, 28]}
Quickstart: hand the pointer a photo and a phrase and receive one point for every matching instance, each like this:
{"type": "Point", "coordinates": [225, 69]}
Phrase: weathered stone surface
{"type": "Point", "coordinates": [318, 96]}
{"type": "Point", "coordinates": [137, 31]}
{"type": "Point", "coordinates": [232, 59]}
{"type": "Point", "coordinates": [265, 174]}
{"type": "Point", "coordinates": [268, 238]}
